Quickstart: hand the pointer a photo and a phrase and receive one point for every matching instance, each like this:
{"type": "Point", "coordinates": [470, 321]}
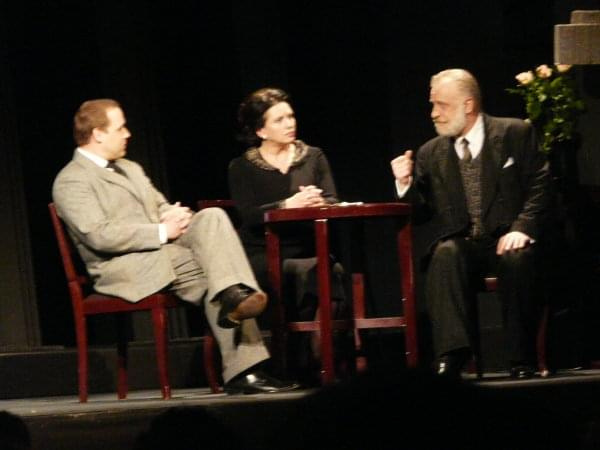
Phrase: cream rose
{"type": "Point", "coordinates": [543, 71]}
{"type": "Point", "coordinates": [562, 68]}
{"type": "Point", "coordinates": [525, 77]}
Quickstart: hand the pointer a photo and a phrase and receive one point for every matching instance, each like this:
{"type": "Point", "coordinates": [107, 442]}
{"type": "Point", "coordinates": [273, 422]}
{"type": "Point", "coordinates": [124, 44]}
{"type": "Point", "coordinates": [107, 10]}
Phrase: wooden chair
{"type": "Point", "coordinates": [95, 303]}
{"type": "Point", "coordinates": [491, 285]}
{"type": "Point", "coordinates": [225, 204]}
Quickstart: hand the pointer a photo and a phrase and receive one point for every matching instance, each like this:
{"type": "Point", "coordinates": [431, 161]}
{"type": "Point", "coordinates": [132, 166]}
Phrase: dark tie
{"type": "Point", "coordinates": [466, 151]}
{"type": "Point", "coordinates": [111, 165]}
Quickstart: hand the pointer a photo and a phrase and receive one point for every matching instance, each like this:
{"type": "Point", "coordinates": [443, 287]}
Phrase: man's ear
{"type": "Point", "coordinates": [469, 105]}
{"type": "Point", "coordinates": [97, 135]}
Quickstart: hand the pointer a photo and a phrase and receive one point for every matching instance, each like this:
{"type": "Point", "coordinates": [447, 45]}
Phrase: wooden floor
{"type": "Point", "coordinates": [107, 423]}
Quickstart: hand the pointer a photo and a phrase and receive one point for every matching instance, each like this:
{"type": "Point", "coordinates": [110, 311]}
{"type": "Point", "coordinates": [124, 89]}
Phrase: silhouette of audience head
{"type": "Point", "coordinates": [187, 428]}
{"type": "Point", "coordinates": [416, 409]}
{"type": "Point", "coordinates": [14, 434]}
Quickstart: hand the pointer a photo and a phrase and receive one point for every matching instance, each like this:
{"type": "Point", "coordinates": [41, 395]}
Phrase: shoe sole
{"type": "Point", "coordinates": [250, 307]}
{"type": "Point", "coordinates": [251, 391]}
{"type": "Point", "coordinates": [248, 391]}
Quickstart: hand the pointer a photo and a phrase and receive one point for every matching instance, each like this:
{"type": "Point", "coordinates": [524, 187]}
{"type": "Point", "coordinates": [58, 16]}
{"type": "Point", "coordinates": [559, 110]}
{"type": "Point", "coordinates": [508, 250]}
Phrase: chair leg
{"type": "Point", "coordinates": [477, 357]}
{"type": "Point", "coordinates": [82, 358]}
{"type": "Point", "coordinates": [476, 366]}
{"type": "Point", "coordinates": [122, 383]}
{"type": "Point", "coordinates": [475, 340]}
{"type": "Point", "coordinates": [358, 312]}
{"type": "Point", "coordinates": [208, 352]}
{"type": "Point", "coordinates": [541, 343]}
{"type": "Point", "coordinates": [159, 320]}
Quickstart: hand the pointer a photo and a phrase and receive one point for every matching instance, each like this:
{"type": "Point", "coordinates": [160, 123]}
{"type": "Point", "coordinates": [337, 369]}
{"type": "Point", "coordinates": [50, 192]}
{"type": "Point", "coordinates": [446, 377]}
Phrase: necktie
{"type": "Point", "coordinates": [466, 151]}
{"type": "Point", "coordinates": [115, 168]}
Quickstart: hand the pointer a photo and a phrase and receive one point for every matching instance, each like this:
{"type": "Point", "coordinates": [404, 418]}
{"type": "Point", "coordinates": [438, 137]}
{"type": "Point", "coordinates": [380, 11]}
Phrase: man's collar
{"type": "Point", "coordinates": [476, 131]}
{"type": "Point", "coordinates": [98, 160]}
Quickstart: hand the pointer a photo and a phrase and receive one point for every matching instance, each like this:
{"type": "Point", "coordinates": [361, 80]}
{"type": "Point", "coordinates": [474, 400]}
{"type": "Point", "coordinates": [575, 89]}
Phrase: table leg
{"type": "Point", "coordinates": [278, 334]}
{"type": "Point", "coordinates": [324, 280]}
{"type": "Point", "coordinates": [405, 258]}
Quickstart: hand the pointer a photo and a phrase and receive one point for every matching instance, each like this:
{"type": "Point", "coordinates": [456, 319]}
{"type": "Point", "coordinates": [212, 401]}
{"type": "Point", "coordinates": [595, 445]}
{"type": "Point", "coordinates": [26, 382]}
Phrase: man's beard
{"type": "Point", "coordinates": [455, 126]}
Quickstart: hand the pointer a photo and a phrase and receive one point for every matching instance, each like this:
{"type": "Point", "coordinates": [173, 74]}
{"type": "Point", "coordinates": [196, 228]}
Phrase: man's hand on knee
{"type": "Point", "coordinates": [514, 240]}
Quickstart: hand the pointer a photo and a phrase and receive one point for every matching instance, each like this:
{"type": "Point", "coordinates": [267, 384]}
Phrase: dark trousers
{"type": "Point", "coordinates": [455, 275]}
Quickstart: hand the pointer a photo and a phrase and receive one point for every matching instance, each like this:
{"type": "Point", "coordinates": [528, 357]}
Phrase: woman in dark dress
{"type": "Point", "coordinates": [280, 171]}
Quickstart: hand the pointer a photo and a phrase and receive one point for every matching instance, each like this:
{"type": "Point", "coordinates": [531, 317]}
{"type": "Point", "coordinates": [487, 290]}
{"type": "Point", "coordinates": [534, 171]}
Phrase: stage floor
{"type": "Point", "coordinates": [106, 422]}
{"type": "Point", "coordinates": [136, 400]}
{"type": "Point", "coordinates": [150, 399]}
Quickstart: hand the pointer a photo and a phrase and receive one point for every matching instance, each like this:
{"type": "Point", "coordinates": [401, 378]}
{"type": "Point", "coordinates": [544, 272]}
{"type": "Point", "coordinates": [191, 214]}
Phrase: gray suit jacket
{"type": "Point", "coordinates": [515, 184]}
{"type": "Point", "coordinates": [113, 221]}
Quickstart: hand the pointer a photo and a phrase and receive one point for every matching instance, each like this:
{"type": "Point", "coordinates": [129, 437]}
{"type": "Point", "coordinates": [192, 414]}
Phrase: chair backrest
{"type": "Point", "coordinates": [75, 278]}
{"type": "Point", "coordinates": [226, 204]}
{"type": "Point", "coordinates": [215, 203]}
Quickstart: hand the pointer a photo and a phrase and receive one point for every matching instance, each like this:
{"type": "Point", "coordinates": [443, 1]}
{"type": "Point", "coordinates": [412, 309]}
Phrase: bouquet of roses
{"type": "Point", "coordinates": [551, 102]}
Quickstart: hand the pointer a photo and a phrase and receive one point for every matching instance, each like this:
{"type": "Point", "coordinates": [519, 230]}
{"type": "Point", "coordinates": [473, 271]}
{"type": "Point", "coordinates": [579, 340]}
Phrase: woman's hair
{"type": "Point", "coordinates": [251, 113]}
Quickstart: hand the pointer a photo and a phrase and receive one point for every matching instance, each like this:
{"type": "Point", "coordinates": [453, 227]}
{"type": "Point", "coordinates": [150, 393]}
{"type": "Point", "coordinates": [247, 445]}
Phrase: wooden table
{"type": "Point", "coordinates": [321, 216]}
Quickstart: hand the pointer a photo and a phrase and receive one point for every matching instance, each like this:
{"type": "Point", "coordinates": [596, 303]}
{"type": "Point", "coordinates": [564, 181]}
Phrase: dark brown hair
{"type": "Point", "coordinates": [251, 113]}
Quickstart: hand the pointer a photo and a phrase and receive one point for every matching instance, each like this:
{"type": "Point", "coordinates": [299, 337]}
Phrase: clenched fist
{"type": "Point", "coordinates": [402, 166]}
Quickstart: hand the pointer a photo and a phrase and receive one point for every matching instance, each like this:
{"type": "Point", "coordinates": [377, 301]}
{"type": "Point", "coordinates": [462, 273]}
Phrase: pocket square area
{"type": "Point", "coordinates": [509, 162]}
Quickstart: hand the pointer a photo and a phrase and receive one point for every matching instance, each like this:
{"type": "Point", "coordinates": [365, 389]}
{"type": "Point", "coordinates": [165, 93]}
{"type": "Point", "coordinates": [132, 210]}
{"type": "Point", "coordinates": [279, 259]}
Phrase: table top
{"type": "Point", "coordinates": [338, 211]}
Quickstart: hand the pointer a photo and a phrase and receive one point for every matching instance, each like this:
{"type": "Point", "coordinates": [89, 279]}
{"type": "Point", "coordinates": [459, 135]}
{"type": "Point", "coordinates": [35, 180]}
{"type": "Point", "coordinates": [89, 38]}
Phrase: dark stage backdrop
{"type": "Point", "coordinates": [357, 71]}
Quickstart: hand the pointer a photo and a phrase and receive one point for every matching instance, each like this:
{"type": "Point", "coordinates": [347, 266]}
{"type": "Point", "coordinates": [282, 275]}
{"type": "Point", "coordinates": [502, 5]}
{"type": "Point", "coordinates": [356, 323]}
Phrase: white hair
{"type": "Point", "coordinates": [465, 81]}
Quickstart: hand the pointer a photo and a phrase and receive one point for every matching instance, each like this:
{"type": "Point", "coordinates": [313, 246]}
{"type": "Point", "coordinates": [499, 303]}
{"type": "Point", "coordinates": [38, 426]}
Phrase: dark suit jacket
{"type": "Point", "coordinates": [515, 184]}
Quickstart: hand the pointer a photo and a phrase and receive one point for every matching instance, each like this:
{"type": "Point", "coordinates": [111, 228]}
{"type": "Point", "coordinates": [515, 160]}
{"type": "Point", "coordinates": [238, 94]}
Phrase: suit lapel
{"type": "Point", "coordinates": [146, 196]}
{"type": "Point", "coordinates": [492, 157]}
{"type": "Point", "coordinates": [108, 175]}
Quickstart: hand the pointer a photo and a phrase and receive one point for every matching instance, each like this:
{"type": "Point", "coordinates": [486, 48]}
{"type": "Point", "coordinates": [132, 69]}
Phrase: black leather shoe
{"type": "Point", "coordinates": [451, 364]}
{"type": "Point", "coordinates": [522, 372]}
{"type": "Point", "coordinates": [238, 303]}
{"type": "Point", "coordinates": [258, 382]}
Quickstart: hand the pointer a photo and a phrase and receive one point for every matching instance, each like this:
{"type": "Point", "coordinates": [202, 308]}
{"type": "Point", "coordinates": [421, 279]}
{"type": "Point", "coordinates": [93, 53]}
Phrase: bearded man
{"type": "Point", "coordinates": [481, 189]}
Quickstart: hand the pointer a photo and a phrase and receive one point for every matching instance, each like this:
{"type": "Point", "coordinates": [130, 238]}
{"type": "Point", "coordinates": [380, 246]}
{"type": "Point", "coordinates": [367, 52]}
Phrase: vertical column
{"type": "Point", "coordinates": [19, 327]}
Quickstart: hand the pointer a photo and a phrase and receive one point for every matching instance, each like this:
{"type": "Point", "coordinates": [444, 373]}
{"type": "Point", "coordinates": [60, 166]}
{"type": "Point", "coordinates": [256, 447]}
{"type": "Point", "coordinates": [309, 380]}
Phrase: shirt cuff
{"type": "Point", "coordinates": [162, 233]}
{"type": "Point", "coordinates": [402, 189]}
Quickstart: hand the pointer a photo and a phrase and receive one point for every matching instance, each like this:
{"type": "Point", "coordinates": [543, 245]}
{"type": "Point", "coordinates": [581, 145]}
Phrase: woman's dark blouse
{"type": "Point", "coordinates": [256, 186]}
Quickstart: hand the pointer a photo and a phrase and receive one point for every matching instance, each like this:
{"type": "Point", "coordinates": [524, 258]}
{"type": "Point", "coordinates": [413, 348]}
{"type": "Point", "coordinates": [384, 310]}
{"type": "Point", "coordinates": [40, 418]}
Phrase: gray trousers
{"type": "Point", "coordinates": [208, 258]}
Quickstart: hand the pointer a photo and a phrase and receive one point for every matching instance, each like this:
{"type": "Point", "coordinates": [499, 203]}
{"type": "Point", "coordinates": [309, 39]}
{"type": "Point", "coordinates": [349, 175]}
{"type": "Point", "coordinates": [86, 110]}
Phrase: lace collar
{"type": "Point", "coordinates": [300, 152]}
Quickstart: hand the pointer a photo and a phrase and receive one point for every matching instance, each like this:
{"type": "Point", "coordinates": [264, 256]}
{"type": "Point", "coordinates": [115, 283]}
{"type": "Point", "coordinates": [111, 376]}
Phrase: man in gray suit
{"type": "Point", "coordinates": [481, 189]}
{"type": "Point", "coordinates": [135, 243]}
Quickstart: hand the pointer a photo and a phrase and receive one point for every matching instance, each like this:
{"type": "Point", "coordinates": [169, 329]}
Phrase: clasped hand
{"type": "Point", "coordinates": [306, 197]}
{"type": "Point", "coordinates": [177, 219]}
